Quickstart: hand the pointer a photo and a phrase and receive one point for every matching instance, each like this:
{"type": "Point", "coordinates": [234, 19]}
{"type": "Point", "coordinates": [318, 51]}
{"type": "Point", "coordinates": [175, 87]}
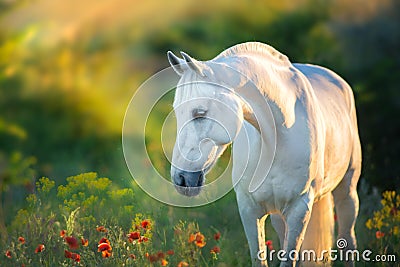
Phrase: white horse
{"type": "Point", "coordinates": [289, 156]}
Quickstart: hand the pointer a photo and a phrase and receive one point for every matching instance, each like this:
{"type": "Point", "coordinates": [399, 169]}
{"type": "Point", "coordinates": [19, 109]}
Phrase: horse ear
{"type": "Point", "coordinates": [197, 66]}
{"type": "Point", "coordinates": [177, 63]}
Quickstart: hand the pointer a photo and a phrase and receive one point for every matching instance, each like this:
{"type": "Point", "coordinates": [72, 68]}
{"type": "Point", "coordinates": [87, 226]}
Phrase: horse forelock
{"type": "Point", "coordinates": [188, 88]}
{"type": "Point", "coordinates": [193, 86]}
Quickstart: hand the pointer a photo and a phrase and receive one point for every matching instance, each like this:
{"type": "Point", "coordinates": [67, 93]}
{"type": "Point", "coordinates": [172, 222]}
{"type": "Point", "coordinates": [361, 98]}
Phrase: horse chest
{"type": "Point", "coordinates": [284, 181]}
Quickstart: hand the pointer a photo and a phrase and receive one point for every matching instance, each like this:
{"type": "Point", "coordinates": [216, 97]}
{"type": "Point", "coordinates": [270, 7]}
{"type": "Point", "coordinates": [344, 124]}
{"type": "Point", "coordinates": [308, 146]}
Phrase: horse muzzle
{"type": "Point", "coordinates": [187, 183]}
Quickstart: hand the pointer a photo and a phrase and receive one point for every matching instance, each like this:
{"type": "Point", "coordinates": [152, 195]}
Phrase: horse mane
{"type": "Point", "coordinates": [254, 47]}
{"type": "Point", "coordinates": [283, 96]}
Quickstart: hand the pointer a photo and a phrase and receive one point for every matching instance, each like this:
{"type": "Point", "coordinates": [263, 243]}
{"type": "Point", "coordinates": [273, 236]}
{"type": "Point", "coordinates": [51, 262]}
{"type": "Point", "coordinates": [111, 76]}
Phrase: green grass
{"type": "Point", "coordinates": [144, 232]}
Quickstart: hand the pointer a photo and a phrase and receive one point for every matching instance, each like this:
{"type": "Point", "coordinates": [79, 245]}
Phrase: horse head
{"type": "Point", "coordinates": [209, 116]}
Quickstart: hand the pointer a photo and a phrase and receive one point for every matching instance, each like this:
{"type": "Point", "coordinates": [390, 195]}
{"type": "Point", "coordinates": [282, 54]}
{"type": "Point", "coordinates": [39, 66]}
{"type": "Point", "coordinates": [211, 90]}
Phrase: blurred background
{"type": "Point", "coordinates": [69, 68]}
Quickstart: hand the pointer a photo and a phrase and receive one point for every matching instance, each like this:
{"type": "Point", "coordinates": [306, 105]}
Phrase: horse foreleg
{"type": "Point", "coordinates": [250, 212]}
{"type": "Point", "coordinates": [279, 226]}
{"type": "Point", "coordinates": [297, 216]}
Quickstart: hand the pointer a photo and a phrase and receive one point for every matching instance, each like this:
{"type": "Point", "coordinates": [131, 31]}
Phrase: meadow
{"type": "Point", "coordinates": [67, 74]}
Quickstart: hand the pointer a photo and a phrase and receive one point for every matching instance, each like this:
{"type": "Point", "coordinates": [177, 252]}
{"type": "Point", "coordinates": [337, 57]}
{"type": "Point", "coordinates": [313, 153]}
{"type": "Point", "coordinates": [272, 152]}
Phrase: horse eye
{"type": "Point", "coordinates": [199, 113]}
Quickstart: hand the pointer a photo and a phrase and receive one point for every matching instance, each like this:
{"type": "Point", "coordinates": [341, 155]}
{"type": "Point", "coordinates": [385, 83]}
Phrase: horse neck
{"type": "Point", "coordinates": [271, 91]}
{"type": "Point", "coordinates": [276, 83]}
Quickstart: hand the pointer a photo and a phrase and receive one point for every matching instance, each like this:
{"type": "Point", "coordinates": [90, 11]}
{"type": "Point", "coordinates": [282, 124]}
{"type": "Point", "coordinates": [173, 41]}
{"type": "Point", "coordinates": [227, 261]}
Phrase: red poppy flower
{"type": "Point", "coordinates": [152, 258]}
{"type": "Point", "coordinates": [8, 254]}
{"type": "Point", "coordinates": [67, 254]}
{"type": "Point", "coordinates": [106, 253]}
{"type": "Point", "coordinates": [217, 236]}
{"type": "Point", "coordinates": [39, 248]}
{"type": "Point", "coordinates": [70, 255]}
{"type": "Point", "coordinates": [72, 242]}
{"type": "Point", "coordinates": [101, 229]}
{"type": "Point", "coordinates": [84, 242]}
{"type": "Point", "coordinates": [104, 240]}
{"type": "Point", "coordinates": [215, 250]}
{"type": "Point", "coordinates": [63, 233]}
{"type": "Point", "coordinates": [379, 234]}
{"type": "Point", "coordinates": [104, 246]}
{"type": "Point", "coordinates": [143, 239]}
{"type": "Point", "coordinates": [132, 256]}
{"type": "Point", "coordinates": [183, 264]}
{"type": "Point", "coordinates": [269, 244]}
{"type": "Point", "coordinates": [133, 236]}
{"type": "Point", "coordinates": [164, 262]}
{"type": "Point", "coordinates": [170, 252]}
{"type": "Point", "coordinates": [192, 237]}
{"type": "Point", "coordinates": [146, 224]}
{"type": "Point", "coordinates": [76, 257]}
{"type": "Point", "coordinates": [21, 240]}
{"type": "Point", "coordinates": [200, 240]}
{"type": "Point", "coordinates": [160, 255]}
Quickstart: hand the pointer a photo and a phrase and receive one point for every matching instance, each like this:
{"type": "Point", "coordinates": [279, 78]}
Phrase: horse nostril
{"type": "Point", "coordinates": [181, 181]}
{"type": "Point", "coordinates": [201, 179]}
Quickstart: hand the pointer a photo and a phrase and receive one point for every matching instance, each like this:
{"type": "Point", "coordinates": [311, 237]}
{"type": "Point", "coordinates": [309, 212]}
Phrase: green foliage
{"type": "Point", "coordinates": [89, 193]}
{"type": "Point", "coordinates": [44, 185]}
{"type": "Point", "coordinates": [46, 109]}
{"type": "Point", "coordinates": [384, 226]}
{"type": "Point", "coordinates": [70, 221]}
{"type": "Point", "coordinates": [15, 168]}
{"type": "Point", "coordinates": [371, 63]}
{"type": "Point", "coordinates": [12, 129]}
{"type": "Point", "coordinates": [96, 197]}
{"type": "Point", "coordinates": [184, 233]}
{"type": "Point", "coordinates": [40, 237]}
{"type": "Point", "coordinates": [17, 171]}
